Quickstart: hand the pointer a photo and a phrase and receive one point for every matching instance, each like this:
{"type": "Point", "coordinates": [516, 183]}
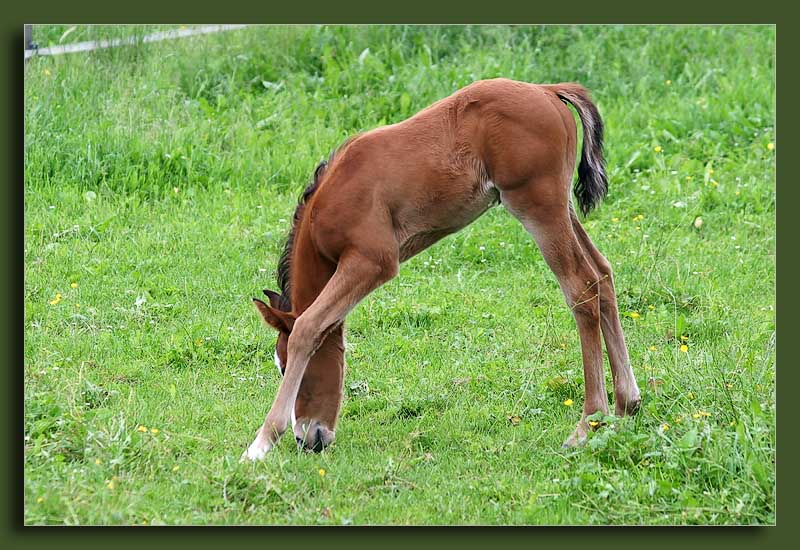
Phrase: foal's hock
{"type": "Point", "coordinates": [387, 194]}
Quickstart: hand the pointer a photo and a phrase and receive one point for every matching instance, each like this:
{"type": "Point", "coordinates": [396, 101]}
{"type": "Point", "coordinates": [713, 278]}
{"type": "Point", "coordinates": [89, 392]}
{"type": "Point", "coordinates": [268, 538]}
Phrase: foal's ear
{"type": "Point", "coordinates": [274, 317]}
{"type": "Point", "coordinates": [275, 300]}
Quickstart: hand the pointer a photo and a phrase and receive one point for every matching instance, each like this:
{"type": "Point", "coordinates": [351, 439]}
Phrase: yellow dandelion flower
{"type": "Point", "coordinates": [664, 427]}
{"type": "Point", "coordinates": [737, 192]}
{"type": "Point", "coordinates": [568, 402]}
{"type": "Point", "coordinates": [668, 82]}
{"type": "Point", "coordinates": [176, 468]}
{"type": "Point", "coordinates": [40, 500]}
{"type": "Point", "coordinates": [110, 485]}
{"type": "Point", "coordinates": [696, 416]}
{"type": "Point", "coordinates": [652, 348]}
{"type": "Point", "coordinates": [615, 220]}
{"type": "Point", "coordinates": [770, 146]}
{"type": "Point", "coordinates": [594, 423]}
{"type": "Point", "coordinates": [322, 472]}
{"type": "Point", "coordinates": [141, 428]}
{"type": "Point", "coordinates": [710, 171]}
{"type": "Point", "coordinates": [657, 149]}
{"type": "Point", "coordinates": [199, 342]}
{"type": "Point", "coordinates": [638, 218]}
{"type": "Point", "coordinates": [154, 430]}
{"type": "Point", "coordinates": [635, 315]}
{"type": "Point", "coordinates": [651, 307]}
{"type": "Point", "coordinates": [56, 300]}
{"type": "Point", "coordinates": [684, 348]}
{"type": "Point", "coordinates": [729, 385]}
{"type": "Point", "coordinates": [73, 285]}
{"type": "Point", "coordinates": [98, 461]}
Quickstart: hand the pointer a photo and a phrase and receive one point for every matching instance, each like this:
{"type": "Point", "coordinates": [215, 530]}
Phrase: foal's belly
{"type": "Point", "coordinates": [420, 241]}
{"type": "Point", "coordinates": [424, 228]}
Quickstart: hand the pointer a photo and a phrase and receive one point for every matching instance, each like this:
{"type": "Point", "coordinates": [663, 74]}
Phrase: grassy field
{"type": "Point", "coordinates": [159, 185]}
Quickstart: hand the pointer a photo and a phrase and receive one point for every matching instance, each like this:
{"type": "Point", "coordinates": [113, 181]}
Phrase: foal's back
{"type": "Point", "coordinates": [420, 179]}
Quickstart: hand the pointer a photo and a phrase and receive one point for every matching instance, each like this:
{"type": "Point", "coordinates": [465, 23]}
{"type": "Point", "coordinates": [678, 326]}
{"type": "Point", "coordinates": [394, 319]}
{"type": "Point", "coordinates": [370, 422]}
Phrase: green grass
{"type": "Point", "coordinates": [161, 179]}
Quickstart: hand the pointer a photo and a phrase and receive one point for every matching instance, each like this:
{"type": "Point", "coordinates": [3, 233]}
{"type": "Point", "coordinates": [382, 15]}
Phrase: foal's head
{"type": "Point", "coordinates": [317, 406]}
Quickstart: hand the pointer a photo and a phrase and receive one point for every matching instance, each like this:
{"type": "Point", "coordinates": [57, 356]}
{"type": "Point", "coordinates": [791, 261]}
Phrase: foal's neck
{"type": "Point", "coordinates": [309, 272]}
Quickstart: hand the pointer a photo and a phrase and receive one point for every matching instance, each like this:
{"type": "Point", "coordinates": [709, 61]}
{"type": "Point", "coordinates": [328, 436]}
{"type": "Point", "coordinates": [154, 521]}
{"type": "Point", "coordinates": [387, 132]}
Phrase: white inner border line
{"type": "Point", "coordinates": [155, 37]}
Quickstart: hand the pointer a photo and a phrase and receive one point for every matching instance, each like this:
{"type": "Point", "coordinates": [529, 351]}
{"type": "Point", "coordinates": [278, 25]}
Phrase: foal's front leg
{"type": "Point", "coordinates": [356, 276]}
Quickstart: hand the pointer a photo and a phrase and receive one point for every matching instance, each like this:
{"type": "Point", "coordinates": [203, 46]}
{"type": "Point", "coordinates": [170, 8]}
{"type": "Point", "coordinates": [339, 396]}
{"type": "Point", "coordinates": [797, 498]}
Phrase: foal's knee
{"type": "Point", "coordinates": [305, 337]}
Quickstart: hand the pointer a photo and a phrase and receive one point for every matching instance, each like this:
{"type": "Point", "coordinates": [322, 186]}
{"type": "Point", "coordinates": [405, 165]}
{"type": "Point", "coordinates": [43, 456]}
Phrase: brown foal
{"type": "Point", "coordinates": [390, 193]}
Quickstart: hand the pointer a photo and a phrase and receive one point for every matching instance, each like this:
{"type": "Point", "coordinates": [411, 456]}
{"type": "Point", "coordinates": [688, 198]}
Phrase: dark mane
{"type": "Point", "coordinates": [284, 263]}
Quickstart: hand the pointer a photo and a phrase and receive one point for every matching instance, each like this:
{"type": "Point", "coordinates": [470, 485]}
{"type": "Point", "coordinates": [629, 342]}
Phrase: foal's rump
{"type": "Point", "coordinates": [592, 184]}
{"type": "Point", "coordinates": [527, 132]}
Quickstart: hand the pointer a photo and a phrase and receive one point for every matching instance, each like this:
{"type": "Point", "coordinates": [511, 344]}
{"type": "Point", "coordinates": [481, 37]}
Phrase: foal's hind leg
{"type": "Point", "coordinates": [544, 211]}
{"type": "Point", "coordinates": [357, 275]}
{"type": "Point", "coordinates": [626, 391]}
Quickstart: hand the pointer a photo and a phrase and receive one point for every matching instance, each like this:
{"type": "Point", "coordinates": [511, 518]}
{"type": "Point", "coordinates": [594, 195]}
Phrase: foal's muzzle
{"type": "Point", "coordinates": [312, 436]}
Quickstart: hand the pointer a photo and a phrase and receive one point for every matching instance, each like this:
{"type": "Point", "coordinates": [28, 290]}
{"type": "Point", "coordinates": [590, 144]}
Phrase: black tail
{"type": "Point", "coordinates": [592, 184]}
